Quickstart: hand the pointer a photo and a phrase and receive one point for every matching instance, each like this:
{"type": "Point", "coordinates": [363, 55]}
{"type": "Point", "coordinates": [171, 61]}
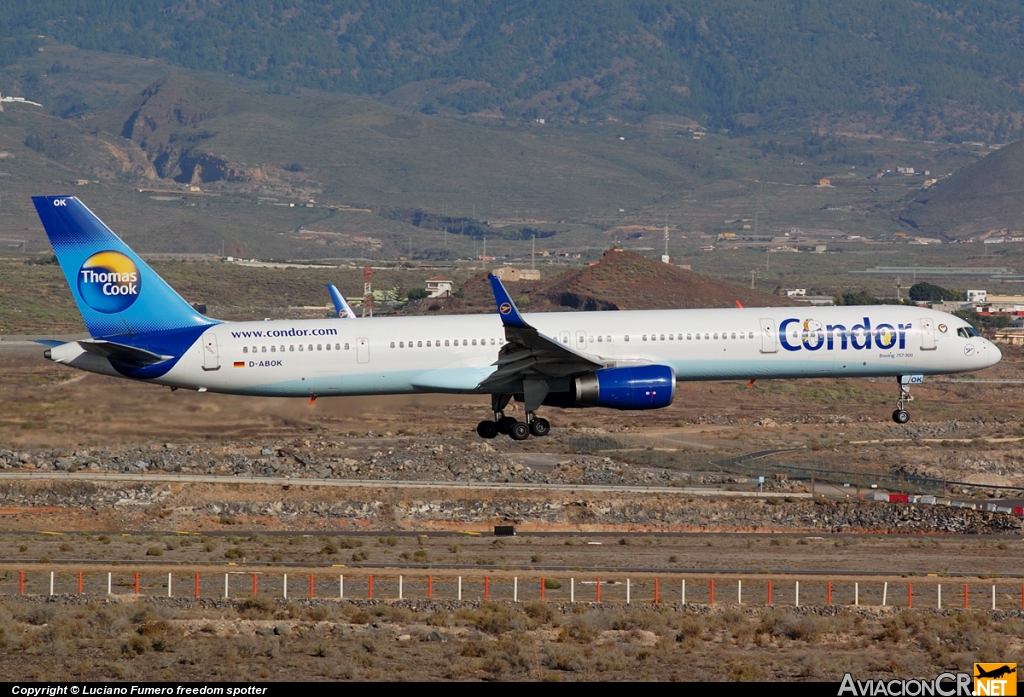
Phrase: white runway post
{"type": "Point", "coordinates": [225, 585]}
{"type": "Point", "coordinates": [627, 591]}
{"type": "Point", "coordinates": [739, 592]}
{"type": "Point", "coordinates": [993, 597]}
{"type": "Point", "coordinates": [885, 592]}
{"type": "Point", "coordinates": [856, 594]}
{"type": "Point", "coordinates": [460, 588]}
{"type": "Point", "coordinates": [341, 587]}
{"type": "Point", "coordinates": [51, 587]}
{"type": "Point", "coordinates": [284, 587]}
{"type": "Point", "coordinates": [399, 587]}
{"type": "Point", "coordinates": [515, 589]}
{"type": "Point", "coordinates": [169, 584]}
{"type": "Point", "coordinates": [572, 590]}
{"type": "Point", "coordinates": [940, 596]}
{"type": "Point", "coordinates": [797, 602]}
{"type": "Point", "coordinates": [109, 584]}
{"type": "Point", "coordinates": [684, 592]}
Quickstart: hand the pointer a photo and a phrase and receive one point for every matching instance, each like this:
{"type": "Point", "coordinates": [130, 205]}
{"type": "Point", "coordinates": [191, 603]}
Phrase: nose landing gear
{"type": "Point", "coordinates": [901, 416]}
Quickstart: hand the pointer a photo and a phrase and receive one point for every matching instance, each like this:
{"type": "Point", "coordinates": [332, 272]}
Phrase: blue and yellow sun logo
{"type": "Point", "coordinates": [109, 282]}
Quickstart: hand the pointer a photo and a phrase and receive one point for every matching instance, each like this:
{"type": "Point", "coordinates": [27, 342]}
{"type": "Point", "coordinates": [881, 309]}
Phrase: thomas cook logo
{"type": "Point", "coordinates": [505, 308]}
{"type": "Point", "coordinates": [995, 679]}
{"type": "Point", "coordinates": [109, 282]}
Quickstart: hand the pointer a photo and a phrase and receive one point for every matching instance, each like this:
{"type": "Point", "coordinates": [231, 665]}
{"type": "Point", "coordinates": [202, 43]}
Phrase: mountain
{"type": "Point", "coordinates": [620, 280]}
{"type": "Point", "coordinates": [924, 68]}
{"type": "Point", "coordinates": [984, 196]}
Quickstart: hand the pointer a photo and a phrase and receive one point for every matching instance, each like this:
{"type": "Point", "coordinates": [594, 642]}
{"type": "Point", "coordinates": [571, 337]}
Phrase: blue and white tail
{"type": "Point", "coordinates": [117, 293]}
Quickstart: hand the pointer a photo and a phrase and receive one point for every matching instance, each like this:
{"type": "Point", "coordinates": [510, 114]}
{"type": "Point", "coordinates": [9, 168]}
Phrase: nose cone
{"type": "Point", "coordinates": [994, 354]}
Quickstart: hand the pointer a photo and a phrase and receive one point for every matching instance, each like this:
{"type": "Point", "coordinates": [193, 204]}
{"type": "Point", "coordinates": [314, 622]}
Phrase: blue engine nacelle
{"type": "Point", "coordinates": [635, 387]}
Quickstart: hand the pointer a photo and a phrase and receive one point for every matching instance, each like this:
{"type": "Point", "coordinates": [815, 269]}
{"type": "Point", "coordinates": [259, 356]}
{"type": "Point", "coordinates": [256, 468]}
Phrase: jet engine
{"type": "Point", "coordinates": [633, 387]}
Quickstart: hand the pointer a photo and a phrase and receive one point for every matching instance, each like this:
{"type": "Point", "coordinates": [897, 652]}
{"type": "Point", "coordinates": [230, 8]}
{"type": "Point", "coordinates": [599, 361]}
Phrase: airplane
{"type": "Point", "coordinates": [341, 307]}
{"type": "Point", "coordinates": [141, 329]}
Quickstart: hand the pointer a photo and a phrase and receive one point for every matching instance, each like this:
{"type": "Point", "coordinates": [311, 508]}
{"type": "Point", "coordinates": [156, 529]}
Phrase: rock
{"type": "Point", "coordinates": [282, 630]}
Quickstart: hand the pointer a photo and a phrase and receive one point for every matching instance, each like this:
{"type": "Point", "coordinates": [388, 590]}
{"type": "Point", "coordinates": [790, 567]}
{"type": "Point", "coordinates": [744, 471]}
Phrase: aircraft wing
{"type": "Point", "coordinates": [530, 354]}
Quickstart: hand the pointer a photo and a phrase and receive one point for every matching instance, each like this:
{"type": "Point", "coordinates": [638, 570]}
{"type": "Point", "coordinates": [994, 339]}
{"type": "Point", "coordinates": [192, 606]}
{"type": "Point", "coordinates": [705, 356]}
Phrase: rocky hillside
{"type": "Point", "coordinates": [619, 281]}
{"type": "Point", "coordinates": [979, 198]}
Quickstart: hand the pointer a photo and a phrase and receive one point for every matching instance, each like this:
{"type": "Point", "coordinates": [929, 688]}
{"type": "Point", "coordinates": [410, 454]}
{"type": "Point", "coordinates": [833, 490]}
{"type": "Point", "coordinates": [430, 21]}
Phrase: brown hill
{"type": "Point", "coordinates": [987, 195]}
{"type": "Point", "coordinates": [619, 281]}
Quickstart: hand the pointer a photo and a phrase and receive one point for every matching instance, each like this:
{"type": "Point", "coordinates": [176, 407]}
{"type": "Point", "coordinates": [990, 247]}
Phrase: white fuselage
{"type": "Point", "coordinates": [454, 353]}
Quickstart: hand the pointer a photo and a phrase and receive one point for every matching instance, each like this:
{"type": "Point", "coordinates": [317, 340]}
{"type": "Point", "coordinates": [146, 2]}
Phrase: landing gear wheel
{"type": "Point", "coordinates": [540, 427]}
{"type": "Point", "coordinates": [487, 429]}
{"type": "Point", "coordinates": [900, 416]}
{"type": "Point", "coordinates": [519, 431]}
{"type": "Point", "coordinates": [505, 424]}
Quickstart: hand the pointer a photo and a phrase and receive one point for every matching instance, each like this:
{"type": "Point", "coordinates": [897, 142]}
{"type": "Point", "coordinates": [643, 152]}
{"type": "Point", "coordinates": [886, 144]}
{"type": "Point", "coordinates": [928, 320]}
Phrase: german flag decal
{"type": "Point", "coordinates": [239, 364]}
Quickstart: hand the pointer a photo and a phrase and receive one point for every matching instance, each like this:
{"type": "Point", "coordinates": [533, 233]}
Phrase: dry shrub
{"type": "Point", "coordinates": [584, 629]}
{"type": "Point", "coordinates": [640, 618]}
{"type": "Point", "coordinates": [539, 612]}
{"type": "Point", "coordinates": [564, 658]}
{"type": "Point", "coordinates": [257, 608]}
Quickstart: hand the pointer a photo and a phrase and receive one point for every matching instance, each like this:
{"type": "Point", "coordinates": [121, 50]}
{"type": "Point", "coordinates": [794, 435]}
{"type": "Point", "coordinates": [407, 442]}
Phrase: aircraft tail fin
{"type": "Point", "coordinates": [116, 291]}
{"type": "Point", "coordinates": [341, 306]}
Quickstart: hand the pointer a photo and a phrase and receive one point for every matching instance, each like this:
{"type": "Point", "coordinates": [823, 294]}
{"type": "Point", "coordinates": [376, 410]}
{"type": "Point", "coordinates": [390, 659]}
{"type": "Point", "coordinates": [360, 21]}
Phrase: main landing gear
{"type": "Point", "coordinates": [516, 430]}
{"type": "Point", "coordinates": [901, 416]}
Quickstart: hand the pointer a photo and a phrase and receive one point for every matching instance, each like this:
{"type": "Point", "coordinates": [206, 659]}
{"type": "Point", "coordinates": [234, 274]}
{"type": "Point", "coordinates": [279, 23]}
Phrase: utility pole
{"type": "Point", "coordinates": [665, 257]}
{"type": "Point", "coordinates": [767, 260]}
{"type": "Point", "coordinates": [533, 253]}
{"type": "Point", "coordinates": [753, 272]}
{"type": "Point", "coordinates": [898, 287]}
{"type": "Point", "coordinates": [367, 292]}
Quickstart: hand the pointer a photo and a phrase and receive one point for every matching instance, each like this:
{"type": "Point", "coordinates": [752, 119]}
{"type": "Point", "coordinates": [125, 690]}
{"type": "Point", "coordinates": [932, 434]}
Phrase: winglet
{"type": "Point", "coordinates": [341, 307]}
{"type": "Point", "coordinates": [507, 310]}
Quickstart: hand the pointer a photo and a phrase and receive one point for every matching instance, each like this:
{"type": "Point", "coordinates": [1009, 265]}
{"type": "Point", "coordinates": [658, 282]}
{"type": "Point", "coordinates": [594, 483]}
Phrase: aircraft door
{"type": "Point", "coordinates": [769, 337]}
{"type": "Point", "coordinates": [927, 334]}
{"type": "Point", "coordinates": [564, 337]}
{"type": "Point", "coordinates": [363, 350]}
{"type": "Point", "coordinates": [211, 354]}
{"type": "Point", "coordinates": [581, 340]}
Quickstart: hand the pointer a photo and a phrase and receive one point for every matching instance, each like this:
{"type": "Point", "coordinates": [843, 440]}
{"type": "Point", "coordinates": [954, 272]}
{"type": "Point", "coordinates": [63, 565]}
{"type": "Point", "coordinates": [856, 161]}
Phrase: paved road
{"type": "Point", "coordinates": [382, 484]}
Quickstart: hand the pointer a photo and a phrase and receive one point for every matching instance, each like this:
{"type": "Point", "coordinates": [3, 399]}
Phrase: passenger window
{"type": "Point", "coordinates": [273, 349]}
{"type": "Point", "coordinates": [697, 337]}
{"type": "Point", "coordinates": [734, 335]}
{"type": "Point", "coordinates": [300, 347]}
{"type": "Point", "coordinates": [419, 344]}
{"type": "Point", "coordinates": [608, 339]}
{"type": "Point", "coordinates": [263, 349]}
{"type": "Point", "coordinates": [688, 337]}
{"type": "Point", "coordinates": [328, 346]}
{"type": "Point", "coordinates": [319, 347]}
{"type": "Point", "coordinates": [670, 337]}
{"type": "Point", "coordinates": [598, 339]}
{"type": "Point", "coordinates": [492, 342]}
{"type": "Point", "coordinates": [446, 342]}
{"type": "Point", "coordinates": [282, 349]}
{"type": "Point", "coordinates": [626, 337]}
{"type": "Point", "coordinates": [392, 344]}
{"type": "Point", "coordinates": [465, 342]}
{"type": "Point", "coordinates": [474, 342]}
{"type": "Point", "coordinates": [706, 336]}
{"type": "Point", "coordinates": [311, 347]}
{"type": "Point", "coordinates": [645, 337]}
{"type": "Point", "coordinates": [401, 344]}
{"type": "Point", "coordinates": [428, 344]}
{"type": "Point", "coordinates": [245, 349]}
{"type": "Point", "coordinates": [346, 346]}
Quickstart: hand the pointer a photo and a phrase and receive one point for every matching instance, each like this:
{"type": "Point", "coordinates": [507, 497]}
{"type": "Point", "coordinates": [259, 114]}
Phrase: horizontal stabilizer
{"type": "Point", "coordinates": [122, 353]}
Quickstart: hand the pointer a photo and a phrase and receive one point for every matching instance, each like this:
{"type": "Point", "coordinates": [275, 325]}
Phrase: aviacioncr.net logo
{"type": "Point", "coordinates": [109, 282]}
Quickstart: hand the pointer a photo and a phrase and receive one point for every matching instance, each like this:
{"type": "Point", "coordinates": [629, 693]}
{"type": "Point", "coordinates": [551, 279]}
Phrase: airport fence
{"type": "Point", "coordinates": [667, 454]}
{"type": "Point", "coordinates": [674, 590]}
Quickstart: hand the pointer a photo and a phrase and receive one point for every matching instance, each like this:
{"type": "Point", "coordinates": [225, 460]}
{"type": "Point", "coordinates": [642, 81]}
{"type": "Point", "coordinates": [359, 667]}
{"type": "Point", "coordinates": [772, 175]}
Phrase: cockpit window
{"type": "Point", "coordinates": [967, 332]}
